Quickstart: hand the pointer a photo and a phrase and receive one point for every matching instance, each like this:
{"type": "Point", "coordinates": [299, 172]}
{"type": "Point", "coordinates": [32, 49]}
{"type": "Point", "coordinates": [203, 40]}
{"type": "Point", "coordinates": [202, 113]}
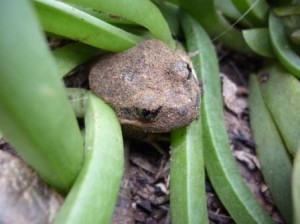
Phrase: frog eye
{"type": "Point", "coordinates": [147, 114]}
{"type": "Point", "coordinates": [183, 68]}
{"type": "Point", "coordinates": [189, 70]}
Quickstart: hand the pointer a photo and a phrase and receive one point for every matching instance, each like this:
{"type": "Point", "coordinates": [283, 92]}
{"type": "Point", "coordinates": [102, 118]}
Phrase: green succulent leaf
{"type": "Point", "coordinates": [70, 56]}
{"type": "Point", "coordinates": [282, 48]}
{"type": "Point", "coordinates": [93, 196]}
{"type": "Point", "coordinates": [35, 115]}
{"type": "Point", "coordinates": [254, 10]}
{"type": "Point", "coordinates": [281, 93]}
{"type": "Point", "coordinates": [275, 161]}
{"type": "Point", "coordinates": [134, 11]}
{"type": "Point", "coordinates": [68, 21]}
{"type": "Point", "coordinates": [216, 26]}
{"type": "Point", "coordinates": [296, 188]}
{"type": "Point", "coordinates": [258, 39]}
{"type": "Point", "coordinates": [219, 162]}
{"type": "Point", "coordinates": [187, 177]}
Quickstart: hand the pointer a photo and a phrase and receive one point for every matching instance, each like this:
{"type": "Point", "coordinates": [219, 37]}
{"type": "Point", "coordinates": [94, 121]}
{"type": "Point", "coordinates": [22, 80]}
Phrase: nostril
{"type": "Point", "coordinates": [182, 111]}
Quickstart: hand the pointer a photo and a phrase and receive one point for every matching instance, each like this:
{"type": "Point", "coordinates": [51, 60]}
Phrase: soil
{"type": "Point", "coordinates": [148, 169]}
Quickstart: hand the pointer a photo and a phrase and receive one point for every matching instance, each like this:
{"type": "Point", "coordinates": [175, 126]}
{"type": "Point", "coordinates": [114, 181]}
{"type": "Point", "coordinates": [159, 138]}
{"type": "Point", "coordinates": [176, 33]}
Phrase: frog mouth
{"type": "Point", "coordinates": [132, 122]}
{"type": "Point", "coordinates": [138, 125]}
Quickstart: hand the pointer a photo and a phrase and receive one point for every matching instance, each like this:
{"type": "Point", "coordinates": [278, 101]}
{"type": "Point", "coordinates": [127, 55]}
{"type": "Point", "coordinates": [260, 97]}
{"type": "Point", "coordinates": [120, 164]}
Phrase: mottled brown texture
{"type": "Point", "coordinates": [151, 88]}
{"type": "Point", "coordinates": [24, 198]}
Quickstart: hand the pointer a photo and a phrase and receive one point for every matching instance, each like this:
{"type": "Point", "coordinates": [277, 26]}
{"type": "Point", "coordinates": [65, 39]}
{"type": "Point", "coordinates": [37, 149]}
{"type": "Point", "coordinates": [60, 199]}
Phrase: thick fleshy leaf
{"type": "Point", "coordinates": [35, 115]}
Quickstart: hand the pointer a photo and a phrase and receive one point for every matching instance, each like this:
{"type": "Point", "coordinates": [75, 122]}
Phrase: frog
{"type": "Point", "coordinates": [152, 88]}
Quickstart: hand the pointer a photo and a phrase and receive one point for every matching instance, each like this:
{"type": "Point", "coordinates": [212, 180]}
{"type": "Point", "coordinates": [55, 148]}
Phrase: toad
{"type": "Point", "coordinates": [151, 88]}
